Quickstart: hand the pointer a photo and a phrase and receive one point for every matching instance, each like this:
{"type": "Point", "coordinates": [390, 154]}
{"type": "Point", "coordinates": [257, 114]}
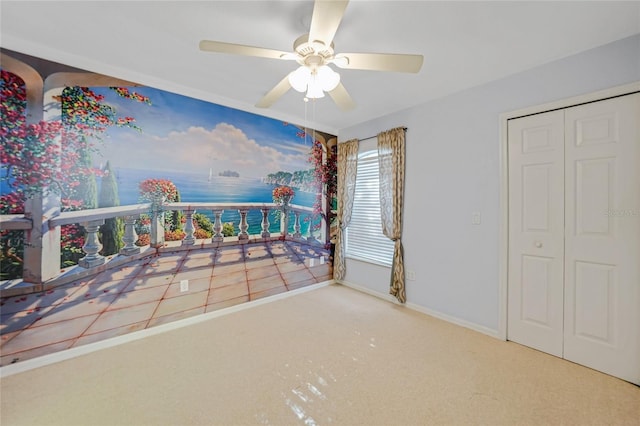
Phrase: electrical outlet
{"type": "Point", "coordinates": [411, 275]}
{"type": "Point", "coordinates": [322, 260]}
{"type": "Point", "coordinates": [184, 285]}
{"type": "Point", "coordinates": [476, 218]}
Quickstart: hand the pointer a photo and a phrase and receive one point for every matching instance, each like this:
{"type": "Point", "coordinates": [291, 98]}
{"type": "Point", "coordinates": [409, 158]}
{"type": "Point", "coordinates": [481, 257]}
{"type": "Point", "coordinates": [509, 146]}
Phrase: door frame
{"type": "Point", "coordinates": [503, 243]}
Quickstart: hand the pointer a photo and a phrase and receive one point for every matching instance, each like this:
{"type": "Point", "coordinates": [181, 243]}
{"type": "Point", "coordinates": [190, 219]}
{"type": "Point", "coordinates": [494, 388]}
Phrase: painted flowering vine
{"type": "Point", "coordinates": [161, 190]}
{"type": "Point", "coordinates": [325, 171]}
{"type": "Point", "coordinates": [51, 156]}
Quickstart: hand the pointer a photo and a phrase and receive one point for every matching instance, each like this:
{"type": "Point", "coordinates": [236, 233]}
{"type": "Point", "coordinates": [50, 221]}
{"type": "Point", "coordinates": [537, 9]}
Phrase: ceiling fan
{"type": "Point", "coordinates": [314, 52]}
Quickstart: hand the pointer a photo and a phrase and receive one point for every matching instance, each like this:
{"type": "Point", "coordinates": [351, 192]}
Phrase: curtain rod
{"type": "Point", "coordinates": [371, 137]}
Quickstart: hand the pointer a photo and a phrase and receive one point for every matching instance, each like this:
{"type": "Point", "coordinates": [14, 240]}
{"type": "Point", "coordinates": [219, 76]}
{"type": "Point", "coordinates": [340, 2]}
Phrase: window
{"type": "Point", "coordinates": [365, 240]}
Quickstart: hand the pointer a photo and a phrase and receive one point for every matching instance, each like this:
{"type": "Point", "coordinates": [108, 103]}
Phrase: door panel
{"type": "Point", "coordinates": [536, 288]}
{"type": "Point", "coordinates": [594, 196]}
{"type": "Point", "coordinates": [602, 236]}
{"type": "Point", "coordinates": [595, 295]}
{"type": "Point", "coordinates": [536, 241]}
{"type": "Point", "coordinates": [536, 187]}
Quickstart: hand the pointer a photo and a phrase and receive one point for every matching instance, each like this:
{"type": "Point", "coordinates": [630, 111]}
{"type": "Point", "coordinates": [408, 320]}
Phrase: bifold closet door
{"type": "Point", "coordinates": [536, 231]}
{"type": "Point", "coordinates": [574, 234]}
{"type": "Point", "coordinates": [602, 236]}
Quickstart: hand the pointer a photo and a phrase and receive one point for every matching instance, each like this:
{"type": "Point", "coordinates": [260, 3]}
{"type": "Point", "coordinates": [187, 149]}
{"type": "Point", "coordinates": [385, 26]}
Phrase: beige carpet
{"type": "Point", "coordinates": [327, 356]}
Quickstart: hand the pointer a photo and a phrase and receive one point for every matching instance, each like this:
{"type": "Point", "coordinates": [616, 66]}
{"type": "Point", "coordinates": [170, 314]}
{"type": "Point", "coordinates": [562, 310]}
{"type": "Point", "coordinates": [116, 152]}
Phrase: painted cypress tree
{"type": "Point", "coordinates": [176, 216]}
{"type": "Point", "coordinates": [88, 188]}
{"type": "Point", "coordinates": [113, 229]}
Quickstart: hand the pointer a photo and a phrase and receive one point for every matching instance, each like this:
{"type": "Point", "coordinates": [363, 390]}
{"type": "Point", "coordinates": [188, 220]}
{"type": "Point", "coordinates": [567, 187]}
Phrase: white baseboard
{"type": "Point", "coordinates": [454, 320]}
{"type": "Point", "coordinates": [387, 297]}
{"type": "Point", "coordinates": [445, 317]}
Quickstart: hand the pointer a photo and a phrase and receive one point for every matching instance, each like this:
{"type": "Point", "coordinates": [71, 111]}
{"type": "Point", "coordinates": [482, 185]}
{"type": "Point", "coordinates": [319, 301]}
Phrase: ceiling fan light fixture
{"type": "Point", "coordinates": [314, 81]}
{"type": "Point", "coordinates": [314, 89]}
{"type": "Point", "coordinates": [328, 78]}
{"type": "Point", "coordinates": [299, 79]}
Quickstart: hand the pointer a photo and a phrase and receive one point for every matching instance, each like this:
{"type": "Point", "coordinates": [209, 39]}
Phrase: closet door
{"type": "Point", "coordinates": [536, 231]}
{"type": "Point", "coordinates": [602, 236]}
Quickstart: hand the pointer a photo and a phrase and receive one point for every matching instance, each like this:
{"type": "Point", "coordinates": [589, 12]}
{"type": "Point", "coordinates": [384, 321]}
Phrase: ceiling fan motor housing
{"type": "Point", "coordinates": [313, 54]}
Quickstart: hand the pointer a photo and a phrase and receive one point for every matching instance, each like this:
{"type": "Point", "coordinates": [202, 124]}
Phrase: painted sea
{"type": "Point", "coordinates": [195, 187]}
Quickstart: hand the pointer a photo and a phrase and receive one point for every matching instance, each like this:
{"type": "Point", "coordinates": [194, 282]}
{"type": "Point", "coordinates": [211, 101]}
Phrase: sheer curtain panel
{"type": "Point", "coordinates": [347, 170]}
{"type": "Point", "coordinates": [391, 157]}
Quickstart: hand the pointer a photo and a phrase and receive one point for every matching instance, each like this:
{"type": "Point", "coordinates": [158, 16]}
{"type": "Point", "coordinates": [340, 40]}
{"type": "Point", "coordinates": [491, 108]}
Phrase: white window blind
{"type": "Point", "coordinates": [365, 240]}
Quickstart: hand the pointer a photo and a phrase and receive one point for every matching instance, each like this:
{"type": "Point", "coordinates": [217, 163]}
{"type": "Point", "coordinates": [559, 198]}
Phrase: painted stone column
{"type": "Point", "coordinates": [91, 245]}
{"type": "Point", "coordinates": [326, 201]}
{"type": "Point", "coordinates": [41, 243]}
{"type": "Point", "coordinates": [130, 236]}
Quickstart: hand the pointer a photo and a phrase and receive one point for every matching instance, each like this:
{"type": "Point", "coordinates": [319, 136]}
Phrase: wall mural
{"type": "Point", "coordinates": [120, 146]}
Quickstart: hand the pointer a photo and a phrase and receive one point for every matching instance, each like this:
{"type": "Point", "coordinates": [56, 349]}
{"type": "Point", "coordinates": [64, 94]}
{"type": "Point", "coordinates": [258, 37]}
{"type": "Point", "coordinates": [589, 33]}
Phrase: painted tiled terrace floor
{"type": "Point", "coordinates": [147, 293]}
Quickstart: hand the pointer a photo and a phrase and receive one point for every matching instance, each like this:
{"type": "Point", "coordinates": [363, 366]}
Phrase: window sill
{"type": "Point", "coordinates": [369, 261]}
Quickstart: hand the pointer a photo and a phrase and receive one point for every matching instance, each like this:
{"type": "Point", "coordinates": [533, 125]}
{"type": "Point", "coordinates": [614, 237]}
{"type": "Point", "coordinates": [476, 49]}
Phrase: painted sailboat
{"type": "Point", "coordinates": [210, 174]}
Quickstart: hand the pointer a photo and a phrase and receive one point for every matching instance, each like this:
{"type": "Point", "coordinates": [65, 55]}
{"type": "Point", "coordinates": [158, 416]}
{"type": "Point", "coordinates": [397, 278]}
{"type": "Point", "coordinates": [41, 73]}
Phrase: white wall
{"type": "Point", "coordinates": [453, 170]}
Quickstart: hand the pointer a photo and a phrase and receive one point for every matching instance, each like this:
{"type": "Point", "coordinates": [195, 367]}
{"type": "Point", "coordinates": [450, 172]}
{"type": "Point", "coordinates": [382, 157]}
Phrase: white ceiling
{"type": "Point", "coordinates": [464, 44]}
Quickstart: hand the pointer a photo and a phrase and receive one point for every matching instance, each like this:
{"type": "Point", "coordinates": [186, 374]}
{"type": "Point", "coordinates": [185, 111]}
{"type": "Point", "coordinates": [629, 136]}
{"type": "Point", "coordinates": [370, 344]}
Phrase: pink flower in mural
{"type": "Point", "coordinates": [143, 240]}
{"type": "Point", "coordinates": [151, 189]}
{"type": "Point", "coordinates": [283, 194]}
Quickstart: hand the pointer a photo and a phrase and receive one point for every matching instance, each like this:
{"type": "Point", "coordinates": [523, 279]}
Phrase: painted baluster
{"type": "Point", "coordinates": [265, 223]}
{"type": "Point", "coordinates": [311, 237]}
{"type": "Point", "coordinates": [284, 221]}
{"type": "Point", "coordinates": [244, 226]}
{"type": "Point", "coordinates": [296, 225]}
{"type": "Point", "coordinates": [130, 236]}
{"type": "Point", "coordinates": [217, 226]}
{"type": "Point", "coordinates": [157, 223]}
{"type": "Point", "coordinates": [92, 245]}
{"type": "Point", "coordinates": [189, 239]}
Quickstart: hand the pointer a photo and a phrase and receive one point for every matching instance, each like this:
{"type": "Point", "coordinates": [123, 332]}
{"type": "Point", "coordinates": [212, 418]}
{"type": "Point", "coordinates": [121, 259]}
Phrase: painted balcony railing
{"type": "Point", "coordinates": [290, 226]}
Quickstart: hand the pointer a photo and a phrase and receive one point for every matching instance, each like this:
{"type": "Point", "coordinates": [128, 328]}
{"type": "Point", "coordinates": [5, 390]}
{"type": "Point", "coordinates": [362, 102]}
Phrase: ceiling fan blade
{"type": "Point", "coordinates": [342, 98]}
{"type": "Point", "coordinates": [379, 62]}
{"type": "Point", "coordinates": [325, 20]}
{"type": "Point", "coordinates": [275, 93]}
{"type": "Point", "coordinates": [240, 49]}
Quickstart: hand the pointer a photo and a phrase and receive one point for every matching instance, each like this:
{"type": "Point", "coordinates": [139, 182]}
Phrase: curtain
{"type": "Point", "coordinates": [391, 158]}
{"type": "Point", "coordinates": [347, 169]}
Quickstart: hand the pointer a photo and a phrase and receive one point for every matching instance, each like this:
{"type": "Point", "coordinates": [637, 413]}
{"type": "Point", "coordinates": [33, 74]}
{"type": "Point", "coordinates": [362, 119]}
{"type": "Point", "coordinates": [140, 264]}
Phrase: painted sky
{"type": "Point", "coordinates": [185, 134]}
